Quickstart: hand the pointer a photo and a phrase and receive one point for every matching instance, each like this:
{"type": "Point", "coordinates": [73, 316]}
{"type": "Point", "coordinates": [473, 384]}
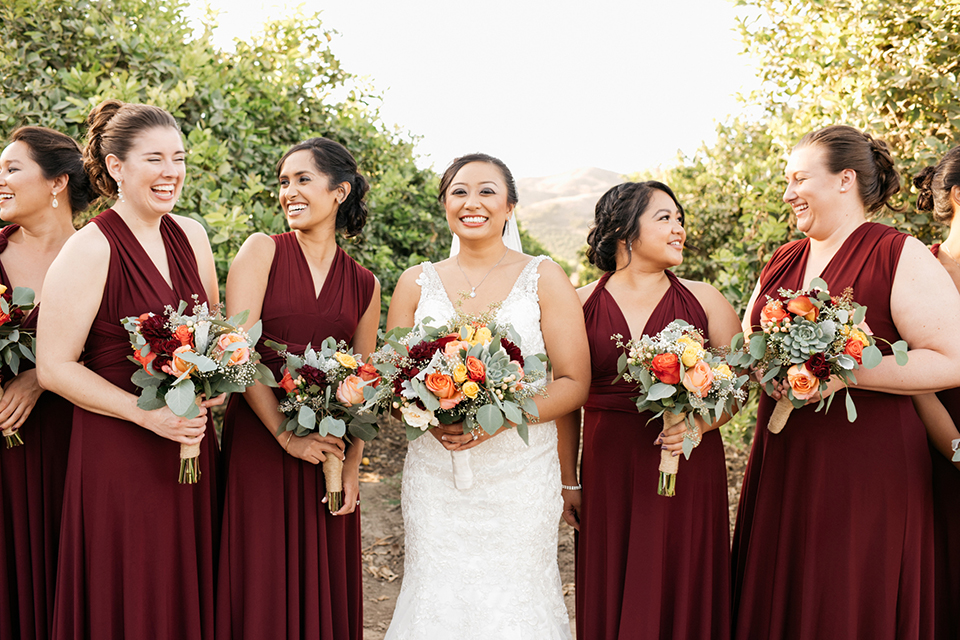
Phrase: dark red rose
{"type": "Point", "coordinates": [406, 374]}
{"type": "Point", "coordinates": [153, 328]}
{"type": "Point", "coordinates": [424, 351]}
{"type": "Point", "coordinates": [513, 351]}
{"type": "Point", "coordinates": [818, 366]}
{"type": "Point", "coordinates": [313, 376]}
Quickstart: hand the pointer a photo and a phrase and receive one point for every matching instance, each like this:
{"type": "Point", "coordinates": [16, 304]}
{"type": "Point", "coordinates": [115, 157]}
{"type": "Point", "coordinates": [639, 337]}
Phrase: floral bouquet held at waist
{"type": "Point", "coordinates": [471, 371]}
{"type": "Point", "coordinates": [678, 378]}
{"type": "Point", "coordinates": [326, 388]}
{"type": "Point", "coordinates": [186, 357]}
{"type": "Point", "coordinates": [805, 338]}
{"type": "Point", "coordinates": [16, 342]}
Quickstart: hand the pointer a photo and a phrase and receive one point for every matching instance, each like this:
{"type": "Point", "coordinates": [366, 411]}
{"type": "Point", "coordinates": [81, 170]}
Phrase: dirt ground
{"type": "Point", "coordinates": [382, 527]}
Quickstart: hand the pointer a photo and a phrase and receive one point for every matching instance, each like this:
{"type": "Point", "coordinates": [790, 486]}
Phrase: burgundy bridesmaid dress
{"type": "Point", "coordinates": [946, 529]}
{"type": "Point", "coordinates": [31, 498]}
{"type": "Point", "coordinates": [288, 568]}
{"type": "Point", "coordinates": [137, 549]}
{"type": "Point", "coordinates": [834, 528]}
{"type": "Point", "coordinates": [648, 567]}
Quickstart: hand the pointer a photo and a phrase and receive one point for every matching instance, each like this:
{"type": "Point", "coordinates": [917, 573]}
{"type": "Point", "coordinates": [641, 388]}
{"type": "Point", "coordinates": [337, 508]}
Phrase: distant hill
{"type": "Point", "coordinates": [558, 209]}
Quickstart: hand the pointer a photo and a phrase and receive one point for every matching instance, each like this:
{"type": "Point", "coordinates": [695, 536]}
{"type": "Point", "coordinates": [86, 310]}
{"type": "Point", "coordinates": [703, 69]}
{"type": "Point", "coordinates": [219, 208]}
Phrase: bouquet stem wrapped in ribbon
{"type": "Point", "coordinates": [678, 378]}
{"type": "Point", "coordinates": [326, 389]}
{"type": "Point", "coordinates": [470, 371]}
{"type": "Point", "coordinates": [16, 343]}
{"type": "Point", "coordinates": [184, 358]}
{"type": "Point", "coordinates": [805, 338]}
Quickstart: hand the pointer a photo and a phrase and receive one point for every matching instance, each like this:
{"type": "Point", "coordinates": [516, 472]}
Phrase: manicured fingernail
{"type": "Point", "coordinates": [444, 438]}
{"type": "Point", "coordinates": [663, 446]}
{"type": "Point", "coordinates": [676, 453]}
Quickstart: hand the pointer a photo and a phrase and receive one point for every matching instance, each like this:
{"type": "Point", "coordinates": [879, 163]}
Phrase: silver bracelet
{"type": "Point", "coordinates": [575, 487]}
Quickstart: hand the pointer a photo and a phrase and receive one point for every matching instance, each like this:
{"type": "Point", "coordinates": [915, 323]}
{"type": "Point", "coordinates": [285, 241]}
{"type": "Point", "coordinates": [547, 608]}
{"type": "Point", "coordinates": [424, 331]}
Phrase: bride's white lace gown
{"type": "Point", "coordinates": [482, 562]}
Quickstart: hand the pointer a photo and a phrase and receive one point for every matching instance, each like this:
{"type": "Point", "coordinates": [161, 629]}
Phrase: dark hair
{"type": "Point", "coordinates": [617, 217]}
{"type": "Point", "coordinates": [112, 128]}
{"type": "Point", "coordinates": [935, 184]}
{"type": "Point", "coordinates": [848, 148]}
{"type": "Point", "coordinates": [334, 161]}
{"type": "Point", "coordinates": [462, 161]}
{"type": "Point", "coordinates": [59, 155]}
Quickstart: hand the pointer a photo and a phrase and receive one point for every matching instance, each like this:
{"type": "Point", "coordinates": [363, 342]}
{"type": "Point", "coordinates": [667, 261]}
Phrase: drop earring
{"type": "Point", "coordinates": [120, 190]}
{"type": "Point", "coordinates": [55, 204]}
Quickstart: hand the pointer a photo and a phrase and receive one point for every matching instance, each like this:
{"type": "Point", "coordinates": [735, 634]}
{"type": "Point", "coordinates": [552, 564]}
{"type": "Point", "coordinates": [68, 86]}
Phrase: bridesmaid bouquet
{"type": "Point", "coordinates": [807, 337]}
{"type": "Point", "coordinates": [471, 371]}
{"type": "Point", "coordinates": [183, 357]}
{"type": "Point", "coordinates": [678, 378]}
{"type": "Point", "coordinates": [325, 390]}
{"type": "Point", "coordinates": [15, 341]}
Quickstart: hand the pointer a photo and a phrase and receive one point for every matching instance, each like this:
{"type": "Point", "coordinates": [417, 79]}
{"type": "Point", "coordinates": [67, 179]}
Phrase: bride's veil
{"type": "Point", "coordinates": [511, 237]}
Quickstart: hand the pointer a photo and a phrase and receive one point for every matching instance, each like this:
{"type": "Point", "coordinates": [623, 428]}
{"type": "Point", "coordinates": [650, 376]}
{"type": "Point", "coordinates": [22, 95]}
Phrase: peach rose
{"type": "Point", "coordinates": [369, 373]}
{"type": "Point", "coordinates": [802, 381]}
{"type": "Point", "coordinates": [666, 366]}
{"type": "Point", "coordinates": [698, 379]}
{"type": "Point", "coordinates": [773, 312]}
{"type": "Point", "coordinates": [802, 306]}
{"type": "Point", "coordinates": [184, 335]}
{"type": "Point", "coordinates": [241, 354]}
{"type": "Point", "coordinates": [475, 369]}
{"type": "Point", "coordinates": [286, 382]}
{"type": "Point", "coordinates": [178, 366]}
{"type": "Point", "coordinates": [350, 391]}
{"type": "Point", "coordinates": [854, 349]}
{"type": "Point", "coordinates": [452, 348]}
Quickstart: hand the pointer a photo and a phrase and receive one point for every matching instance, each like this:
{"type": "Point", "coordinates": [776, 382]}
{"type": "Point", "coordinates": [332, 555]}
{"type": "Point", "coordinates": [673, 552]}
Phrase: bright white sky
{"type": "Point", "coordinates": [548, 87]}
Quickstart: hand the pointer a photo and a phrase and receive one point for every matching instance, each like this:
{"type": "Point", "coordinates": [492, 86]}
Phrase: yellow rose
{"type": "Point", "coordinates": [346, 360]}
{"type": "Point", "coordinates": [723, 370]}
{"type": "Point", "coordinates": [466, 333]}
{"type": "Point", "coordinates": [482, 336]}
{"type": "Point", "coordinates": [3, 289]}
{"type": "Point", "coordinates": [470, 389]}
{"type": "Point", "coordinates": [692, 354]}
{"type": "Point", "coordinates": [459, 373]}
{"type": "Point", "coordinates": [857, 334]}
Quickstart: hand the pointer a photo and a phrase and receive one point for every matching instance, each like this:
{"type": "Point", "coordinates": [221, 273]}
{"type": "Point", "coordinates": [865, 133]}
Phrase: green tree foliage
{"type": "Point", "coordinates": [239, 112]}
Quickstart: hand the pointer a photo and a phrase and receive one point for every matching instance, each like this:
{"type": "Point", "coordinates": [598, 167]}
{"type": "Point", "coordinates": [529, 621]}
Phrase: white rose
{"type": "Point", "coordinates": [417, 417]}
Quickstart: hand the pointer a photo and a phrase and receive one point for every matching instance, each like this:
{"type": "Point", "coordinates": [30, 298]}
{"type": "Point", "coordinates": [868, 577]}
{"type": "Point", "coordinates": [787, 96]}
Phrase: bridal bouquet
{"type": "Point", "coordinates": [15, 341]}
{"type": "Point", "coordinates": [470, 371]}
{"type": "Point", "coordinates": [326, 389]}
{"type": "Point", "coordinates": [186, 356]}
{"type": "Point", "coordinates": [678, 378]}
{"type": "Point", "coordinates": [806, 337]}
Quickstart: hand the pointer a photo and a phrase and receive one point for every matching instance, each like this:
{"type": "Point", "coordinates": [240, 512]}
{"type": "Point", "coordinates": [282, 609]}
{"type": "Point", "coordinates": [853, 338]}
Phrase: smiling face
{"type": "Point", "coordinates": [24, 190]}
{"type": "Point", "coordinates": [813, 192]}
{"type": "Point", "coordinates": [476, 202]}
{"type": "Point", "coordinates": [305, 193]}
{"type": "Point", "coordinates": [153, 171]}
{"type": "Point", "coordinates": [661, 238]}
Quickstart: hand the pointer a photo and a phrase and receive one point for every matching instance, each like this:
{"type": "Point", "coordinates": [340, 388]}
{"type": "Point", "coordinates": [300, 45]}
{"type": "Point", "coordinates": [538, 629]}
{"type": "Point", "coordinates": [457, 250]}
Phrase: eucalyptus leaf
{"type": "Point", "coordinates": [851, 408]}
{"type": "Point", "coordinates": [255, 332]}
{"type": "Point", "coordinates": [512, 411]}
{"type": "Point", "coordinates": [530, 407]}
{"type": "Point", "coordinates": [332, 426]}
{"type": "Point", "coordinates": [203, 363]}
{"type": "Point", "coordinates": [900, 352]}
{"type": "Point", "coordinates": [143, 379]}
{"type": "Point", "coordinates": [27, 352]}
{"type": "Point", "coordinates": [181, 397]}
{"type": "Point", "coordinates": [687, 445]}
{"type": "Point", "coordinates": [490, 418]}
{"type": "Point", "coordinates": [859, 314]}
{"type": "Point", "coordinates": [524, 432]}
{"type": "Point", "coordinates": [22, 297]}
{"type": "Point", "coordinates": [871, 356]}
{"type": "Point", "coordinates": [364, 431]}
{"type": "Point", "coordinates": [819, 283]}
{"type": "Point", "coordinates": [307, 418]}
{"type": "Point", "coordinates": [758, 345]}
{"type": "Point", "coordinates": [660, 391]}
{"type": "Point", "coordinates": [239, 318]}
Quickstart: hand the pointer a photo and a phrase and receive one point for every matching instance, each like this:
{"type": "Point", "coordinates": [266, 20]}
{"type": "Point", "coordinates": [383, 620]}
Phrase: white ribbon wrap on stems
{"type": "Point", "coordinates": [462, 473]}
{"type": "Point", "coordinates": [511, 237]}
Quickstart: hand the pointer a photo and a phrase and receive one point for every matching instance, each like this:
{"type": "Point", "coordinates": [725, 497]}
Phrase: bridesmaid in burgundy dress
{"type": "Point", "coordinates": [290, 569]}
{"type": "Point", "coordinates": [834, 528]}
{"type": "Point", "coordinates": [940, 193]}
{"type": "Point", "coordinates": [648, 567]}
{"type": "Point", "coordinates": [42, 185]}
{"type": "Point", "coordinates": [137, 549]}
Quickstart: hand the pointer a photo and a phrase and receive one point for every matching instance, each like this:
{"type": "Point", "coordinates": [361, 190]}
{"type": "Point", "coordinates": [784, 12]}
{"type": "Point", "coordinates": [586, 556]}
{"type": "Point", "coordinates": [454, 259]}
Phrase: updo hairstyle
{"type": "Point", "coordinates": [59, 155]}
{"type": "Point", "coordinates": [617, 217]}
{"type": "Point", "coordinates": [847, 148]}
{"type": "Point", "coordinates": [935, 184]}
{"type": "Point", "coordinates": [112, 128]}
{"type": "Point", "coordinates": [334, 161]}
{"type": "Point", "coordinates": [461, 162]}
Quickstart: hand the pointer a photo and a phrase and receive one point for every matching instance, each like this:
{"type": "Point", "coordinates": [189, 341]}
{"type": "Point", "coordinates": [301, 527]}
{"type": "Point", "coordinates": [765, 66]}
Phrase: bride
{"type": "Point", "coordinates": [481, 560]}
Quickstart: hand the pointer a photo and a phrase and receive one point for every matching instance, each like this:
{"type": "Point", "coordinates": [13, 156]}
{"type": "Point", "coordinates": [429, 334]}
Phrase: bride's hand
{"type": "Point", "coordinates": [445, 432]}
{"type": "Point", "coordinates": [472, 439]}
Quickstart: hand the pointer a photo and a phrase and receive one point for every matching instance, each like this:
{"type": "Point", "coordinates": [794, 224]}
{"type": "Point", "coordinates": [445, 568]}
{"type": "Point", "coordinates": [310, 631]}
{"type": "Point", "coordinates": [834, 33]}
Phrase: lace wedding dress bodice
{"type": "Point", "coordinates": [482, 562]}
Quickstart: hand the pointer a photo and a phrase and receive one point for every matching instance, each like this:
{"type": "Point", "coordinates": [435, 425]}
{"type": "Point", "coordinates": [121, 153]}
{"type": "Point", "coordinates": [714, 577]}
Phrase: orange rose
{"type": "Point", "coordinates": [475, 369]}
{"type": "Point", "coordinates": [4, 318]}
{"type": "Point", "coordinates": [443, 387]}
{"type": "Point", "coordinates": [287, 383]}
{"type": "Point", "coordinates": [241, 354]}
{"type": "Point", "coordinates": [854, 349]}
{"type": "Point", "coordinates": [183, 334]}
{"type": "Point", "coordinates": [666, 366]}
{"type": "Point", "coordinates": [350, 391]}
{"type": "Point", "coordinates": [698, 379]}
{"type": "Point", "coordinates": [369, 373]}
{"type": "Point", "coordinates": [773, 312]}
{"type": "Point", "coordinates": [143, 360]}
{"type": "Point", "coordinates": [802, 306]}
{"type": "Point", "coordinates": [802, 381]}
{"type": "Point", "coordinates": [178, 366]}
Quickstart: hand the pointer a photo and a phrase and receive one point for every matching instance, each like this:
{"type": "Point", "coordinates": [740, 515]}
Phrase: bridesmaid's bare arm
{"type": "Point", "coordinates": [206, 265]}
{"type": "Point", "coordinates": [365, 337]}
{"type": "Point", "coordinates": [406, 296]}
{"type": "Point", "coordinates": [925, 305]}
{"type": "Point", "coordinates": [941, 429]}
{"type": "Point", "coordinates": [72, 293]}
